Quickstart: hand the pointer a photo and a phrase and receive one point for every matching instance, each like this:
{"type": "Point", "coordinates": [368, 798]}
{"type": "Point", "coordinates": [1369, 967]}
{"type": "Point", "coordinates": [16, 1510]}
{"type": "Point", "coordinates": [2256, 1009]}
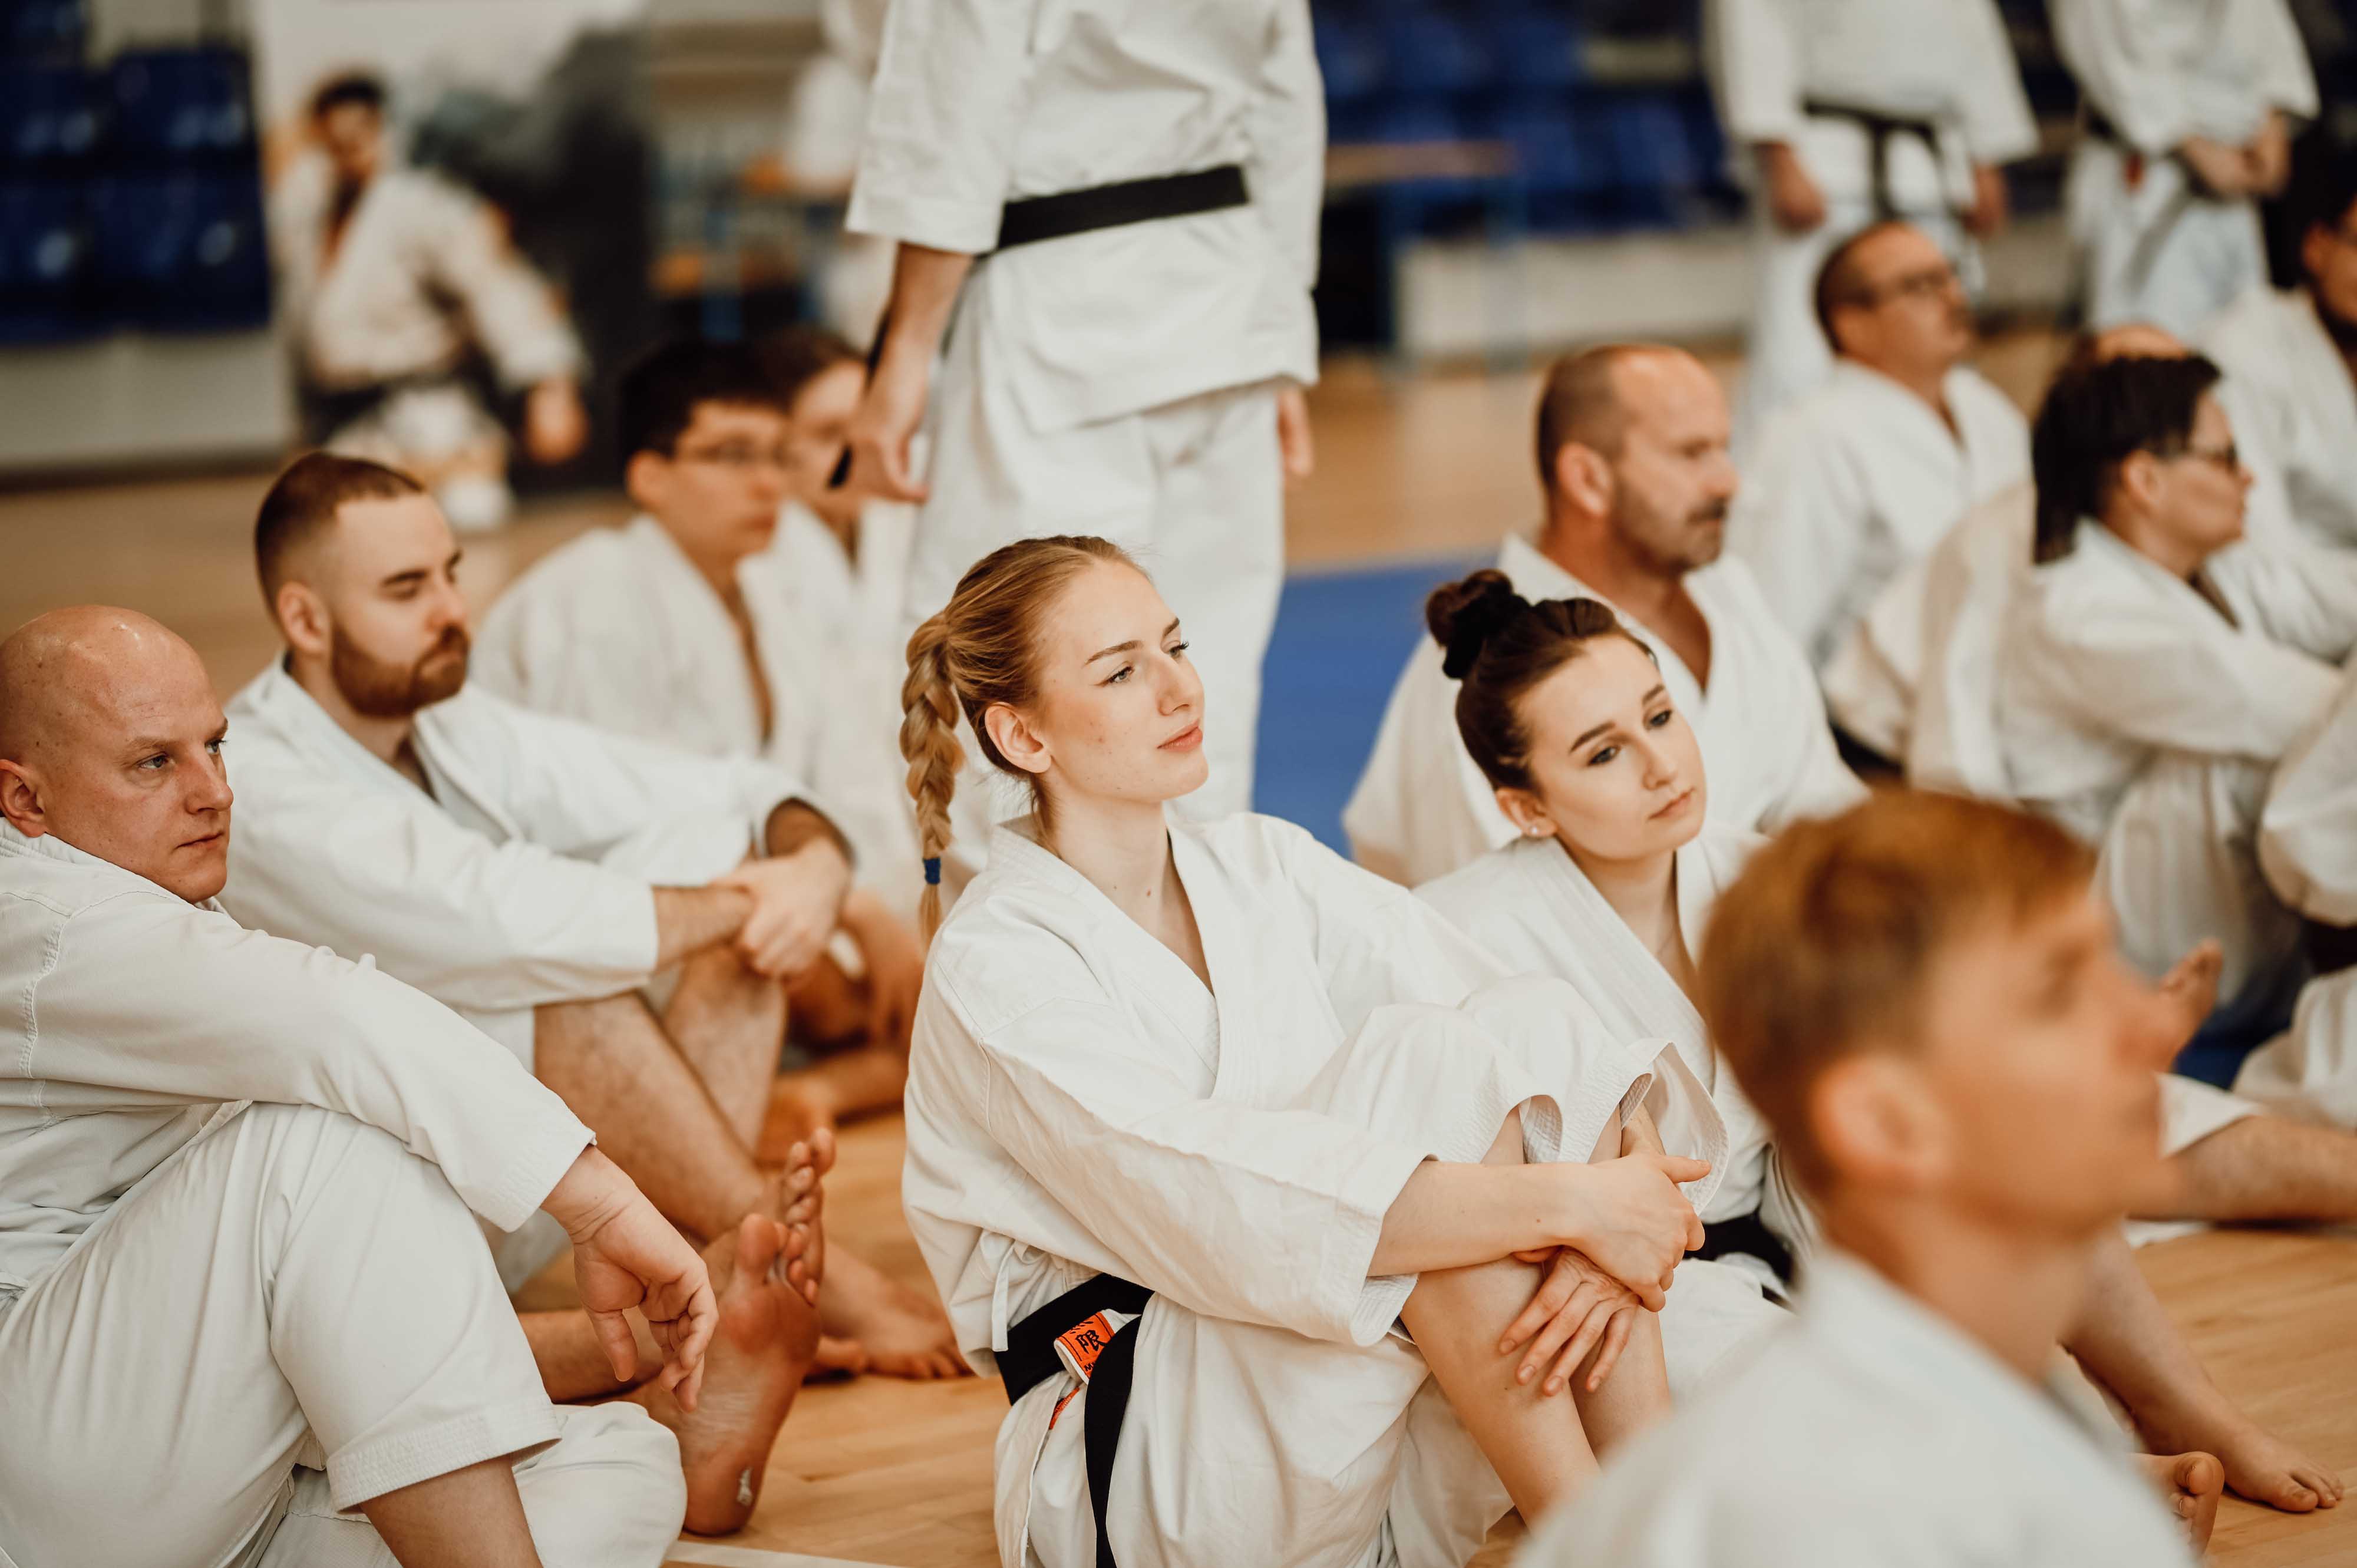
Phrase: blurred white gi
{"type": "Point", "coordinates": [2297, 403]}
{"type": "Point", "coordinates": [1782, 68]}
{"type": "Point", "coordinates": [2180, 86]}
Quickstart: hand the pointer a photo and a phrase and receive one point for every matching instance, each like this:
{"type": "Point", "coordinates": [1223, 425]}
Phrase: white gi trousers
{"type": "Point", "coordinates": [2151, 251]}
{"type": "Point", "coordinates": [292, 1294]}
{"type": "Point", "coordinates": [1194, 490]}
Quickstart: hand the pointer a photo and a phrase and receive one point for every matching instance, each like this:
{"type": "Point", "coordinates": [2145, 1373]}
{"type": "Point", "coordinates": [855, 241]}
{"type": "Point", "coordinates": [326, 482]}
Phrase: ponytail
{"type": "Point", "coordinates": [929, 711]}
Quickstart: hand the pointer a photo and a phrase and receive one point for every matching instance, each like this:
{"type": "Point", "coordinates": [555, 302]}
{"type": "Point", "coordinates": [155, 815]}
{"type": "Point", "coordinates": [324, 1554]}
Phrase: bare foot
{"type": "Point", "coordinates": [836, 1358]}
{"type": "Point", "coordinates": [2190, 986]}
{"type": "Point", "coordinates": [801, 1111]}
{"type": "Point", "coordinates": [2259, 1465]}
{"type": "Point", "coordinates": [2190, 1484]}
{"type": "Point", "coordinates": [904, 1334]}
{"type": "Point", "coordinates": [766, 1340]}
{"type": "Point", "coordinates": [802, 1202]}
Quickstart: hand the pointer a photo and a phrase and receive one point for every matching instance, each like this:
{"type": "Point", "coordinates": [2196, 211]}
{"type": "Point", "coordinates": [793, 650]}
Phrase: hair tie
{"type": "Point", "coordinates": [932, 871]}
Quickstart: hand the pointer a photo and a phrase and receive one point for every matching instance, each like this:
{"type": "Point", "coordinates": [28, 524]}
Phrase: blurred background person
{"type": "Point", "coordinates": [400, 287]}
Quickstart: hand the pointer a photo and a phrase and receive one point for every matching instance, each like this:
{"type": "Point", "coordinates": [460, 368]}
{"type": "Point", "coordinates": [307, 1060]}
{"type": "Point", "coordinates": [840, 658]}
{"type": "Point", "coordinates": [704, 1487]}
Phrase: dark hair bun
{"type": "Point", "coordinates": [1464, 616]}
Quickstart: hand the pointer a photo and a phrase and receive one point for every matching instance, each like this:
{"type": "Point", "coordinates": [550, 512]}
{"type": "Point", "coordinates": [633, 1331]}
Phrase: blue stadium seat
{"type": "Point", "coordinates": [1534, 48]}
{"type": "Point", "coordinates": [181, 105]}
{"type": "Point", "coordinates": [49, 116]}
{"type": "Point", "coordinates": [1655, 171]}
{"type": "Point", "coordinates": [183, 251]}
{"type": "Point", "coordinates": [1563, 163]}
{"type": "Point", "coordinates": [1434, 52]}
{"type": "Point", "coordinates": [1349, 58]}
{"type": "Point", "coordinates": [44, 262]}
{"type": "Point", "coordinates": [33, 30]}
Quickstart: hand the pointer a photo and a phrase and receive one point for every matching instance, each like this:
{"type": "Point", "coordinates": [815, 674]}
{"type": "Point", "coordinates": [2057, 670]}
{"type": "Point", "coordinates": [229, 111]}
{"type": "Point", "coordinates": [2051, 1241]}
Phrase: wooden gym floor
{"type": "Point", "coordinates": [875, 1471]}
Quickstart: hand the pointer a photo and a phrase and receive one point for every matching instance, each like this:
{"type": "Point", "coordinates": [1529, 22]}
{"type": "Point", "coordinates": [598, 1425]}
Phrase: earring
{"type": "Point", "coordinates": [1534, 831]}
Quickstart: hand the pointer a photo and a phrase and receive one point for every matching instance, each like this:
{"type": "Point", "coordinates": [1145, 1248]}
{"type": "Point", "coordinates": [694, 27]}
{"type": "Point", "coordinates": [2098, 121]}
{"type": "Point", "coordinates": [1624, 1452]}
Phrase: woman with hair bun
{"type": "Point", "coordinates": [1287, 1221]}
{"type": "Point", "coordinates": [1609, 889]}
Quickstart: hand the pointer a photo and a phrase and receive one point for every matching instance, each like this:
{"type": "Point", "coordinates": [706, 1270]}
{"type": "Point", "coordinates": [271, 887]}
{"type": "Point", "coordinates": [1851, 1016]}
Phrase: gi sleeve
{"type": "Point", "coordinates": [2144, 95]}
{"type": "Point", "coordinates": [512, 310]}
{"type": "Point", "coordinates": [151, 996]}
{"type": "Point", "coordinates": [1754, 61]}
{"type": "Point", "coordinates": [2301, 593]}
{"type": "Point", "coordinates": [1818, 783]}
{"type": "Point", "coordinates": [2308, 833]}
{"type": "Point", "coordinates": [1798, 523]}
{"type": "Point", "coordinates": [560, 653]}
{"type": "Point", "coordinates": [1286, 172]}
{"type": "Point", "coordinates": [2285, 79]}
{"type": "Point", "coordinates": [2140, 678]}
{"type": "Point", "coordinates": [1998, 124]}
{"type": "Point", "coordinates": [951, 82]}
{"type": "Point", "coordinates": [1175, 1190]}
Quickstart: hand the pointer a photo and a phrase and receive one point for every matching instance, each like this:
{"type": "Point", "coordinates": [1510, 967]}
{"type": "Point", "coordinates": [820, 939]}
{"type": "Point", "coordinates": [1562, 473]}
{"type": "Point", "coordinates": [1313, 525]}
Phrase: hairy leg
{"type": "Point", "coordinates": [853, 1074]}
{"type": "Point", "coordinates": [2127, 1341]}
{"type": "Point", "coordinates": [610, 1061]}
{"type": "Point", "coordinates": [730, 1024]}
{"type": "Point", "coordinates": [2268, 1168]}
{"type": "Point", "coordinates": [467, 1519]}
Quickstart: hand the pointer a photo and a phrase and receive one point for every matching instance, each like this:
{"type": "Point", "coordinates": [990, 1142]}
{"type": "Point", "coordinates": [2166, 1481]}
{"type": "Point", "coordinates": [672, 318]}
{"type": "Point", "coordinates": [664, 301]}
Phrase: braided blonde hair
{"type": "Point", "coordinates": [975, 655]}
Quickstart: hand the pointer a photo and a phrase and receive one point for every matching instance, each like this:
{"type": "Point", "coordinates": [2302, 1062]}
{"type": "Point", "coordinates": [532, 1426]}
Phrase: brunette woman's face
{"type": "Point", "coordinates": [1615, 769]}
{"type": "Point", "coordinates": [1117, 713]}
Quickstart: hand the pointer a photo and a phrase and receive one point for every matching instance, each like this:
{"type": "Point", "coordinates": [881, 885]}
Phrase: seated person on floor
{"type": "Point", "coordinates": [2150, 674]}
{"type": "Point", "coordinates": [535, 874]}
{"type": "Point", "coordinates": [1309, 1151]}
{"type": "Point", "coordinates": [684, 628]}
{"type": "Point", "coordinates": [1632, 463]}
{"type": "Point", "coordinates": [1610, 887]}
{"type": "Point", "coordinates": [238, 1273]}
{"type": "Point", "coordinates": [1853, 486]}
{"type": "Point", "coordinates": [1922, 1000]}
{"type": "Point", "coordinates": [2289, 353]}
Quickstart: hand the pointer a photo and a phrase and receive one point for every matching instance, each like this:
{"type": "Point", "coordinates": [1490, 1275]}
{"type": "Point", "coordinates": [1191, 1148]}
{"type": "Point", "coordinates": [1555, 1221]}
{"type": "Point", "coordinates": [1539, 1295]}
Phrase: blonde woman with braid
{"type": "Point", "coordinates": [1297, 1234]}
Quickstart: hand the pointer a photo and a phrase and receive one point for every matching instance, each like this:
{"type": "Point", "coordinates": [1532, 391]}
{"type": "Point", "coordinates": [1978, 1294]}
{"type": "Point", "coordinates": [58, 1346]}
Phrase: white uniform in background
{"type": "Point", "coordinates": [824, 119]}
{"type": "Point", "coordinates": [1121, 382]}
{"type": "Point", "coordinates": [422, 276]}
{"type": "Point", "coordinates": [239, 1288]}
{"type": "Point", "coordinates": [852, 603]}
{"type": "Point", "coordinates": [2137, 715]}
{"type": "Point", "coordinates": [1870, 1433]}
{"type": "Point", "coordinates": [1531, 908]}
{"type": "Point", "coordinates": [1945, 62]}
{"type": "Point", "coordinates": [2163, 72]}
{"type": "Point", "coordinates": [2297, 403]}
{"type": "Point", "coordinates": [618, 629]}
{"type": "Point", "coordinates": [1079, 1103]}
{"type": "Point", "coordinates": [1421, 808]}
{"type": "Point", "coordinates": [2308, 848]}
{"type": "Point", "coordinates": [526, 877]}
{"type": "Point", "coordinates": [1846, 493]}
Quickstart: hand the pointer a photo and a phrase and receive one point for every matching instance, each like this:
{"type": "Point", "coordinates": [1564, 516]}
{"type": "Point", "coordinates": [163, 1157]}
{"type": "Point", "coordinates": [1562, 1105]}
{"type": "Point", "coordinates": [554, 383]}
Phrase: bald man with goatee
{"type": "Point", "coordinates": [240, 1282]}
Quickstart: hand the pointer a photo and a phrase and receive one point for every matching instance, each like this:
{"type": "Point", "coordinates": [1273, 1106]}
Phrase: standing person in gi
{"type": "Point", "coordinates": [1107, 215]}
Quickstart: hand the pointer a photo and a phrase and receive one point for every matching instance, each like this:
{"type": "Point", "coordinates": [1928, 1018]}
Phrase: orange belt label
{"type": "Point", "coordinates": [1079, 1345]}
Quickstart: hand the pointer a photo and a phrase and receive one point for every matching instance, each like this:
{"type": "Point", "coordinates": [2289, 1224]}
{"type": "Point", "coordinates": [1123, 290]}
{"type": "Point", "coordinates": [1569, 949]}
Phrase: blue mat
{"type": "Point", "coordinates": [1340, 639]}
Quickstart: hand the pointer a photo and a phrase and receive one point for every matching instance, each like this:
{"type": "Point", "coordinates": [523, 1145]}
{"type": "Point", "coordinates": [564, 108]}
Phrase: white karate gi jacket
{"type": "Point", "coordinates": [1421, 808]}
{"type": "Point", "coordinates": [2134, 713]}
{"type": "Point", "coordinates": [977, 104]}
{"type": "Point", "coordinates": [2163, 72]}
{"type": "Point", "coordinates": [1078, 1103]}
{"type": "Point", "coordinates": [1530, 906]}
{"type": "Point", "coordinates": [1848, 491]}
{"type": "Point", "coordinates": [2298, 404]}
{"type": "Point", "coordinates": [618, 629]}
{"type": "Point", "coordinates": [527, 877]}
{"type": "Point", "coordinates": [852, 603]}
{"type": "Point", "coordinates": [138, 1022]}
{"type": "Point", "coordinates": [1870, 1433]}
{"type": "Point", "coordinates": [424, 273]}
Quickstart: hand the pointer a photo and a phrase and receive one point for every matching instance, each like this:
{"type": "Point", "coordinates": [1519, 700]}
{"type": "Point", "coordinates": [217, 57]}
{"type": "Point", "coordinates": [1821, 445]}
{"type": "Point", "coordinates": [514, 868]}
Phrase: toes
{"type": "Point", "coordinates": [758, 1241]}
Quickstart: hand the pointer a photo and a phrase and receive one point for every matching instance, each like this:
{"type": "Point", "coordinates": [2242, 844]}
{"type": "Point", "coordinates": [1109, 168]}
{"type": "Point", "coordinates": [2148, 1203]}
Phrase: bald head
{"type": "Point", "coordinates": [110, 740]}
{"type": "Point", "coordinates": [1586, 398]}
{"type": "Point", "coordinates": [1632, 453]}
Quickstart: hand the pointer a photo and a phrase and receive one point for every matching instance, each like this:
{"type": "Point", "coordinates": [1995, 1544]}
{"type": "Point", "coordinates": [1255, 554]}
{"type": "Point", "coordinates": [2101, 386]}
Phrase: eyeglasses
{"type": "Point", "coordinates": [1930, 283]}
{"type": "Point", "coordinates": [740, 456]}
{"type": "Point", "coordinates": [2226, 459]}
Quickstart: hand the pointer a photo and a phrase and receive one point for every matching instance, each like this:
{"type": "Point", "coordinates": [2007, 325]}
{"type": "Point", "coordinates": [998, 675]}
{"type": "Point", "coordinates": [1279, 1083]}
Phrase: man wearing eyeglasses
{"type": "Point", "coordinates": [634, 921]}
{"type": "Point", "coordinates": [2292, 356]}
{"type": "Point", "coordinates": [2144, 697]}
{"type": "Point", "coordinates": [1850, 489]}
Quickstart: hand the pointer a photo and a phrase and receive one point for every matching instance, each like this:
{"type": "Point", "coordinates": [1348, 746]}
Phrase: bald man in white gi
{"type": "Point", "coordinates": [245, 1316]}
{"type": "Point", "coordinates": [1110, 210]}
{"type": "Point", "coordinates": [2185, 128]}
{"type": "Point", "coordinates": [1633, 464]}
{"type": "Point", "coordinates": [1850, 112]}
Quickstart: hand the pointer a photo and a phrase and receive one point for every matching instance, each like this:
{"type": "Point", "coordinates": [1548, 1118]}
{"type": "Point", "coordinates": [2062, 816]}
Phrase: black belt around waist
{"type": "Point", "coordinates": [1067, 212]}
{"type": "Point", "coordinates": [1747, 1235]}
{"type": "Point", "coordinates": [1031, 1359]}
{"type": "Point", "coordinates": [1880, 129]}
